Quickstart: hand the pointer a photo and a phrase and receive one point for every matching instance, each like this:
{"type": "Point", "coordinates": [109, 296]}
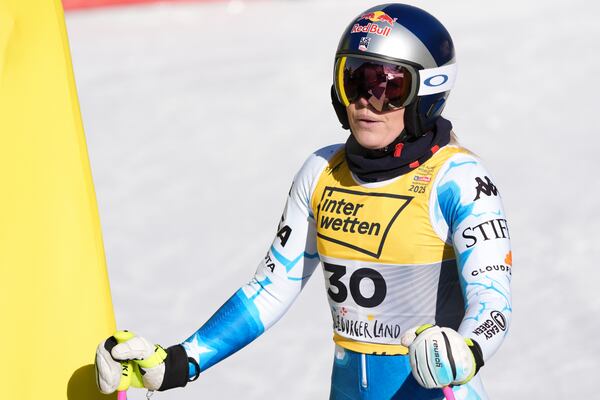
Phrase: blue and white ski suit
{"type": "Point", "coordinates": [430, 246]}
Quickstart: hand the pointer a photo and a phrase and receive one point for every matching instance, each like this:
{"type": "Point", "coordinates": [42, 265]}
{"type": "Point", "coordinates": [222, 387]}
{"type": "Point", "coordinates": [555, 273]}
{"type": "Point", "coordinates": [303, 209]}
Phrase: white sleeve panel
{"type": "Point", "coordinates": [278, 280]}
{"type": "Point", "coordinates": [466, 210]}
{"type": "Point", "coordinates": [293, 257]}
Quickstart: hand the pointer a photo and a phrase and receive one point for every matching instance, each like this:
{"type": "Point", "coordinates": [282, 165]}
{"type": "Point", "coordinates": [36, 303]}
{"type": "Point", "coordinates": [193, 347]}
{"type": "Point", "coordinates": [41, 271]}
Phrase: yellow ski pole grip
{"type": "Point", "coordinates": [126, 366]}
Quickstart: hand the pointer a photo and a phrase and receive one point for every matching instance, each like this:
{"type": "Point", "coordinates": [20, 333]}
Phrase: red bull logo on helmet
{"type": "Point", "coordinates": [373, 27]}
{"type": "Point", "coordinates": [378, 16]}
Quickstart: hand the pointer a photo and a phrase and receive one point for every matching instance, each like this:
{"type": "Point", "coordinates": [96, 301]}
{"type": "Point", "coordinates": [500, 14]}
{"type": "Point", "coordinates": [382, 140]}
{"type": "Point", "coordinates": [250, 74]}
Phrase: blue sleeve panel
{"type": "Point", "coordinates": [232, 327]}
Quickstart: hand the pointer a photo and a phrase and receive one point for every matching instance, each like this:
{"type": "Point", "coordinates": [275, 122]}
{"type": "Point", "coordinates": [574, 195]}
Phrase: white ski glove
{"type": "Point", "coordinates": [441, 356]}
{"type": "Point", "coordinates": [125, 360]}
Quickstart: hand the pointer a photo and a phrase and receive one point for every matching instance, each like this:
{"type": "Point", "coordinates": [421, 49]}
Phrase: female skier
{"type": "Point", "coordinates": [408, 225]}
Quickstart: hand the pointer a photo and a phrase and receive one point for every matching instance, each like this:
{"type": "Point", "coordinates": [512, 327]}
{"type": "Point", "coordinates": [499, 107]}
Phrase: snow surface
{"type": "Point", "coordinates": [198, 115]}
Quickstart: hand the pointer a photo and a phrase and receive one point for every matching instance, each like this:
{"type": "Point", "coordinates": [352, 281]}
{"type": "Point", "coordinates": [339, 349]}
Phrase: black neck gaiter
{"type": "Point", "coordinates": [397, 158]}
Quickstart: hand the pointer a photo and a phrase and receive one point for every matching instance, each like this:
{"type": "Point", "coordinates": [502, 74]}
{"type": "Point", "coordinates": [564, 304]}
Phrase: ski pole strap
{"type": "Point", "coordinates": [155, 359]}
{"type": "Point", "coordinates": [193, 367]}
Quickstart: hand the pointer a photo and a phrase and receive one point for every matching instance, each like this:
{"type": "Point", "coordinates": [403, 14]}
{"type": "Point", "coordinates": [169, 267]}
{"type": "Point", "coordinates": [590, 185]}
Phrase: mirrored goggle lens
{"type": "Point", "coordinates": [385, 86]}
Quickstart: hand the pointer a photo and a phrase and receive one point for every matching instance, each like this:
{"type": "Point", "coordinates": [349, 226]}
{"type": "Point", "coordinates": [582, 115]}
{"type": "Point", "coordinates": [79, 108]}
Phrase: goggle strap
{"type": "Point", "coordinates": [437, 80]}
{"type": "Point", "coordinates": [340, 83]}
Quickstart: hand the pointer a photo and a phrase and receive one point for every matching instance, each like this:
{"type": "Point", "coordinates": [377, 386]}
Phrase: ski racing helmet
{"type": "Point", "coordinates": [395, 55]}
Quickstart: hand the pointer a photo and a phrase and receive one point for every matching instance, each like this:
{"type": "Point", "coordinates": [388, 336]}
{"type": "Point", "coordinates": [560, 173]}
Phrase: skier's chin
{"type": "Point", "coordinates": [373, 130]}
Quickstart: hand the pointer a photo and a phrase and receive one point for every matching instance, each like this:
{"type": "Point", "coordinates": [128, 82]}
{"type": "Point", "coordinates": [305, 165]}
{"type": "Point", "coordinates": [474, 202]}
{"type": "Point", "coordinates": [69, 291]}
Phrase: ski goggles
{"type": "Point", "coordinates": [388, 86]}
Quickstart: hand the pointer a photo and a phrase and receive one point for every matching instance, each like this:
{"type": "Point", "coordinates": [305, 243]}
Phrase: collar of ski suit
{"type": "Point", "coordinates": [397, 158]}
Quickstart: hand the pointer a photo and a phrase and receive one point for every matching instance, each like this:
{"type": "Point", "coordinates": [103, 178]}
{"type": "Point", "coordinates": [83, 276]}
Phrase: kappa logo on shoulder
{"type": "Point", "coordinates": [353, 219]}
{"type": "Point", "coordinates": [487, 187]}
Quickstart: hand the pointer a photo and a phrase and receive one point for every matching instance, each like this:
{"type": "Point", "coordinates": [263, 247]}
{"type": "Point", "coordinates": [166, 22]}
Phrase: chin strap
{"type": "Point", "coordinates": [340, 110]}
{"type": "Point", "coordinates": [411, 120]}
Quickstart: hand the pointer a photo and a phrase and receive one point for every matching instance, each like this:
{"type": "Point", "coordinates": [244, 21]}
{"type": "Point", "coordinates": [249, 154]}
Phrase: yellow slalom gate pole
{"type": "Point", "coordinates": [54, 293]}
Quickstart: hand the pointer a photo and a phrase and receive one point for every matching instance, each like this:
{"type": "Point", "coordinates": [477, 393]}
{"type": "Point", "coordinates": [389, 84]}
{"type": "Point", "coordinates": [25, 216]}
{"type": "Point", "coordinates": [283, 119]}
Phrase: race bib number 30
{"type": "Point", "coordinates": [376, 302]}
{"type": "Point", "coordinates": [366, 286]}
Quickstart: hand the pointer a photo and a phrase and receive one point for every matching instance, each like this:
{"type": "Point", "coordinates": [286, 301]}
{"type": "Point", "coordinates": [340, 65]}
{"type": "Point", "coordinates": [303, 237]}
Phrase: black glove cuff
{"type": "Point", "coordinates": [478, 355]}
{"type": "Point", "coordinates": [176, 368]}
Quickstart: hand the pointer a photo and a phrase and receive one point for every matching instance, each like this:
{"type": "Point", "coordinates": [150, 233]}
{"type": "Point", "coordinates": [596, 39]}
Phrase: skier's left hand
{"type": "Point", "coordinates": [441, 356]}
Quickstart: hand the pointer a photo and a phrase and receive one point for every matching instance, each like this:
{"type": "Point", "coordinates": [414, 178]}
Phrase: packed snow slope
{"type": "Point", "coordinates": [198, 115]}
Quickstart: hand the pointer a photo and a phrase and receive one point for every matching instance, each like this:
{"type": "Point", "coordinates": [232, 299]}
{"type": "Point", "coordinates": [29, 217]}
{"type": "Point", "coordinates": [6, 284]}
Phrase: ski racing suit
{"type": "Point", "coordinates": [430, 246]}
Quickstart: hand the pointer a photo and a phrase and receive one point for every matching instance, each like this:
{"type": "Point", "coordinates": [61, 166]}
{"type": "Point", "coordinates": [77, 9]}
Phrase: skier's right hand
{"type": "Point", "coordinates": [125, 359]}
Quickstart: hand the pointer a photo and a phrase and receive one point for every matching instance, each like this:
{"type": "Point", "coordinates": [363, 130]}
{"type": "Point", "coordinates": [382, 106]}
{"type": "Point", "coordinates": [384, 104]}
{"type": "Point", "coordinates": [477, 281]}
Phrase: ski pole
{"type": "Point", "coordinates": [126, 368]}
{"type": "Point", "coordinates": [448, 393]}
